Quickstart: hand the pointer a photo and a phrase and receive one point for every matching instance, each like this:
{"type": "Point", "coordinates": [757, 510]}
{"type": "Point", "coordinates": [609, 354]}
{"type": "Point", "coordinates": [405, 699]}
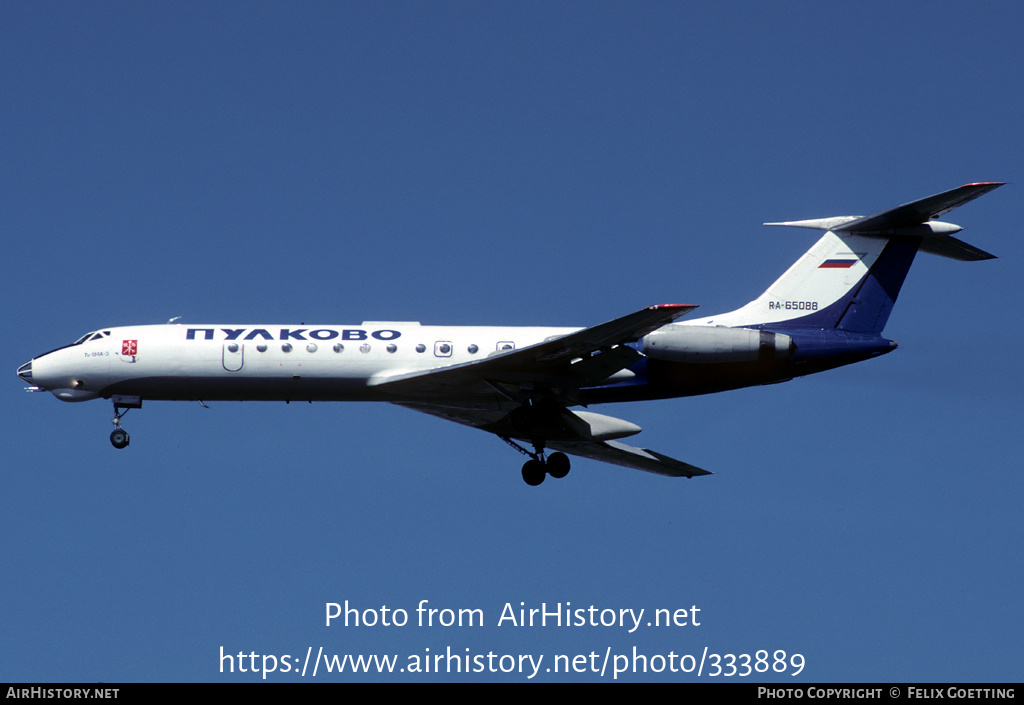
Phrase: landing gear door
{"type": "Point", "coordinates": [234, 356]}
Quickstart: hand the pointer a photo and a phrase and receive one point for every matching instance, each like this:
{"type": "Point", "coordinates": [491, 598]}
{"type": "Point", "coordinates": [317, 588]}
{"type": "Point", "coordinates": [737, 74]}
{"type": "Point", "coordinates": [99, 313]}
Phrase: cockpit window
{"type": "Point", "coordinates": [94, 335]}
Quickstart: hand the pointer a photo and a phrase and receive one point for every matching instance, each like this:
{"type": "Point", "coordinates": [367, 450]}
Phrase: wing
{"type": "Point", "coordinates": [584, 434]}
{"type": "Point", "coordinates": [627, 456]}
{"type": "Point", "coordinates": [579, 359]}
{"type": "Point", "coordinates": [484, 393]}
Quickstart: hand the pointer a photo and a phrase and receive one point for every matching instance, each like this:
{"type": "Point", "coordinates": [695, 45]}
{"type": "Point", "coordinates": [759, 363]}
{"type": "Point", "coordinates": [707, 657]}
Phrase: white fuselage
{"type": "Point", "coordinates": [265, 362]}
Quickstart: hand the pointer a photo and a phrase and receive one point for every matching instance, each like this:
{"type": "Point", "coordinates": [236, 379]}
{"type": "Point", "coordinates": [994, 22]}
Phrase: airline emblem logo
{"type": "Point", "coordinates": [129, 347]}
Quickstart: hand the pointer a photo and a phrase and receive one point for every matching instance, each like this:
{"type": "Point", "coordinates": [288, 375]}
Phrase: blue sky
{"type": "Point", "coordinates": [506, 164]}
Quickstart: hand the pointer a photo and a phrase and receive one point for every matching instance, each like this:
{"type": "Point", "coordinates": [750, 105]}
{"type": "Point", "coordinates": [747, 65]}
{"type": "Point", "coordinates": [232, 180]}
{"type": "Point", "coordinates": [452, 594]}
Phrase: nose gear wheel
{"type": "Point", "coordinates": [122, 405]}
{"type": "Point", "coordinates": [119, 438]}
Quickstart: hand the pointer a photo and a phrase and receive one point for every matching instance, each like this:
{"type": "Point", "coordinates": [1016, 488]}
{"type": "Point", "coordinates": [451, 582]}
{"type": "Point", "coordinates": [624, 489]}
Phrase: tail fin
{"type": "Point", "coordinates": [850, 278]}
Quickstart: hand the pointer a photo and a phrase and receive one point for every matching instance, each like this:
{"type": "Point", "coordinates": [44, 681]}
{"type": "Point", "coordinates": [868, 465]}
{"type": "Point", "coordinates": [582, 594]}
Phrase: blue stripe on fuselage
{"type": "Point", "coordinates": [820, 346]}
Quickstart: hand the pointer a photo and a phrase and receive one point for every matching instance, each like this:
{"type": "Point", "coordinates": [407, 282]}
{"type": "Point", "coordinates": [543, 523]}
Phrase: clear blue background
{"type": "Point", "coordinates": [521, 164]}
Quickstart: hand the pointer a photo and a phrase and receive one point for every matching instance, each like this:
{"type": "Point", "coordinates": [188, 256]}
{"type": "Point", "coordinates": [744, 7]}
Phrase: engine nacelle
{"type": "Point", "coordinates": [705, 344]}
{"type": "Point", "coordinates": [605, 428]}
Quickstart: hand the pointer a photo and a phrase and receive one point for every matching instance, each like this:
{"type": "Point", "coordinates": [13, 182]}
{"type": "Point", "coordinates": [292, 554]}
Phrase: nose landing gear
{"type": "Point", "coordinates": [119, 437]}
{"type": "Point", "coordinates": [122, 404]}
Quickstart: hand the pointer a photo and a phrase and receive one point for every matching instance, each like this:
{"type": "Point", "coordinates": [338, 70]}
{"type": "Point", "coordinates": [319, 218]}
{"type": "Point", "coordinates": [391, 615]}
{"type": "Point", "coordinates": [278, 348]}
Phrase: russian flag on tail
{"type": "Point", "coordinates": [837, 264]}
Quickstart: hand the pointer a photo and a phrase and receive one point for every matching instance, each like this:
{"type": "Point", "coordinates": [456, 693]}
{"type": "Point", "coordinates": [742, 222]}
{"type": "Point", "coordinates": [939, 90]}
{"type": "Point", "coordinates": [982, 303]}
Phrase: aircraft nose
{"type": "Point", "coordinates": [25, 372]}
{"type": "Point", "coordinates": [55, 372]}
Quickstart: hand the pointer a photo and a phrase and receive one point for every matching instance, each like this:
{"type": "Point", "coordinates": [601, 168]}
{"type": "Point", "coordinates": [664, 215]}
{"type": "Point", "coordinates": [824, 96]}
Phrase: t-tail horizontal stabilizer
{"type": "Point", "coordinates": [913, 220]}
{"type": "Point", "coordinates": [849, 279]}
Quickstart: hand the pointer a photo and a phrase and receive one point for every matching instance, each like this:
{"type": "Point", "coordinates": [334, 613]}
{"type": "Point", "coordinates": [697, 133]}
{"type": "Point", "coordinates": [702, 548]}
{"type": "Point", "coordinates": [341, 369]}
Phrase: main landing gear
{"type": "Point", "coordinates": [122, 404]}
{"type": "Point", "coordinates": [538, 466]}
{"type": "Point", "coordinates": [556, 465]}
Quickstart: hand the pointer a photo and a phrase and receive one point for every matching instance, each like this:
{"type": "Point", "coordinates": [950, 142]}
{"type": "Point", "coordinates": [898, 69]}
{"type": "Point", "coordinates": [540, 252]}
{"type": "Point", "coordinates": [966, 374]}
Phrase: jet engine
{"type": "Point", "coordinates": [705, 344]}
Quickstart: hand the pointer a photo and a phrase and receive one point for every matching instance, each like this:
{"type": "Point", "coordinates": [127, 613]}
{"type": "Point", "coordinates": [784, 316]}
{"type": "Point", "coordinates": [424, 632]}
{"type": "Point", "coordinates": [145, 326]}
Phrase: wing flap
{"type": "Point", "coordinates": [618, 453]}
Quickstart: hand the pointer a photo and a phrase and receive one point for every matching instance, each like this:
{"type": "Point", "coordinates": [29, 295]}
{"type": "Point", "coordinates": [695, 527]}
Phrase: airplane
{"type": "Point", "coordinates": [524, 384]}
